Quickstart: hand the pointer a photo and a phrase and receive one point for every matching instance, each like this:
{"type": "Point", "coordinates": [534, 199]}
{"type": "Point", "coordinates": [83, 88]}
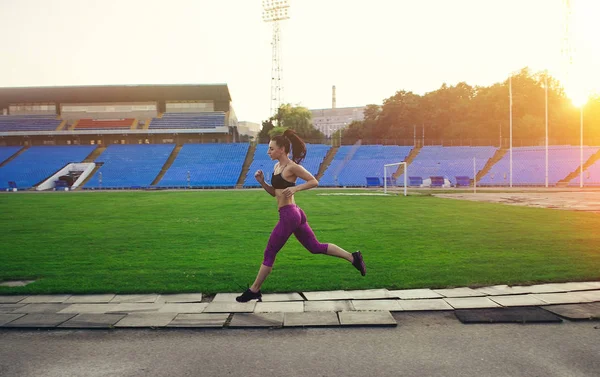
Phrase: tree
{"type": "Point", "coordinates": [263, 135]}
{"type": "Point", "coordinates": [297, 118]}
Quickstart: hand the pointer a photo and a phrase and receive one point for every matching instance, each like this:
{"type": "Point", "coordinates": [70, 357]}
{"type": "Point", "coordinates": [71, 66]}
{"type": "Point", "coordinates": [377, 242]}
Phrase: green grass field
{"type": "Point", "coordinates": [213, 241]}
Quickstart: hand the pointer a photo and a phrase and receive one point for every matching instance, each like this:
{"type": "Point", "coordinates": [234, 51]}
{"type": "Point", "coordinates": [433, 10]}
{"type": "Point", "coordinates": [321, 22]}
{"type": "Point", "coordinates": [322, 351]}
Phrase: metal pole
{"type": "Point", "coordinates": [546, 90]}
{"type": "Point", "coordinates": [384, 180]}
{"type": "Point", "coordinates": [511, 129]}
{"type": "Point", "coordinates": [405, 179]}
{"type": "Point", "coordinates": [581, 147]}
{"type": "Point", "coordinates": [474, 176]}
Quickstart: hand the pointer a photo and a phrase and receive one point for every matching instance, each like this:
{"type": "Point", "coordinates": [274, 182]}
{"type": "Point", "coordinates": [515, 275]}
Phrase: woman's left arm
{"type": "Point", "coordinates": [300, 172]}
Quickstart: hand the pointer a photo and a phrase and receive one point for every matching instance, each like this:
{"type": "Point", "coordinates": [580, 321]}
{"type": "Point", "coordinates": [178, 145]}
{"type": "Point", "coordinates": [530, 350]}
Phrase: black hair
{"type": "Point", "coordinates": [291, 140]}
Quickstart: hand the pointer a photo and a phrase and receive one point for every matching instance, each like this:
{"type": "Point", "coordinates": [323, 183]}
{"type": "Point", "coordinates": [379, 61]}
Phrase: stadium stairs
{"type": "Point", "coordinates": [134, 125]}
{"type": "Point", "coordinates": [61, 125]}
{"type": "Point", "coordinates": [411, 157]}
{"type": "Point", "coordinates": [491, 162]}
{"type": "Point", "coordinates": [94, 155]}
{"type": "Point", "coordinates": [147, 124]}
{"type": "Point", "coordinates": [327, 161]}
{"type": "Point", "coordinates": [167, 164]}
{"type": "Point", "coordinates": [98, 166]}
{"type": "Point", "coordinates": [246, 167]}
{"type": "Point", "coordinates": [72, 127]}
{"type": "Point", "coordinates": [8, 160]}
{"type": "Point", "coordinates": [565, 182]}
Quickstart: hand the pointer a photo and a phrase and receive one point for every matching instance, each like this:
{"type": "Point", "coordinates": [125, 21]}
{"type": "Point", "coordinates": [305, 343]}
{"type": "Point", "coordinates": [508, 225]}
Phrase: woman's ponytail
{"type": "Point", "coordinates": [298, 146]}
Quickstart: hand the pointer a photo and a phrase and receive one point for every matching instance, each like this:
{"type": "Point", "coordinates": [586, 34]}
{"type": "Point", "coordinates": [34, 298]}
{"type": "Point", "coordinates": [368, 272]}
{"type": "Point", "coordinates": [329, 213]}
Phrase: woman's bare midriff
{"type": "Point", "coordinates": [282, 200]}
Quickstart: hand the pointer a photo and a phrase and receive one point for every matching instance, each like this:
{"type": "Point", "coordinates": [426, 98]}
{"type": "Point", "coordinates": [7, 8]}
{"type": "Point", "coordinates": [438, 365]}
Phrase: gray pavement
{"type": "Point", "coordinates": [297, 309]}
{"type": "Point", "coordinates": [423, 344]}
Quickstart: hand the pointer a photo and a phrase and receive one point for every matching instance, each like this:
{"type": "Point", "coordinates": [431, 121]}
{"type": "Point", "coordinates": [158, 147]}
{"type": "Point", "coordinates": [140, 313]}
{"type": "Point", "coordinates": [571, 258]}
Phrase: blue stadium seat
{"type": "Point", "coordinates": [209, 165]}
{"type": "Point", "coordinates": [128, 166]}
{"type": "Point", "coordinates": [189, 120]}
{"type": "Point", "coordinates": [352, 164]}
{"type": "Point", "coordinates": [39, 162]}
{"type": "Point", "coordinates": [449, 162]}
{"type": "Point", "coordinates": [529, 166]}
{"type": "Point", "coordinates": [28, 123]}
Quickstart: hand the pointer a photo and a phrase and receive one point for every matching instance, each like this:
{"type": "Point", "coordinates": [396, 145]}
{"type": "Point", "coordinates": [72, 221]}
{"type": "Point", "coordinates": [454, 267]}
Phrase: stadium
{"type": "Point", "coordinates": [185, 137]}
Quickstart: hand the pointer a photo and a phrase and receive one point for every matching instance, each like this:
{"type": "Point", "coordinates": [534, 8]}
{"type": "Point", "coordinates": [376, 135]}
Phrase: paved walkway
{"type": "Point", "coordinates": [500, 303]}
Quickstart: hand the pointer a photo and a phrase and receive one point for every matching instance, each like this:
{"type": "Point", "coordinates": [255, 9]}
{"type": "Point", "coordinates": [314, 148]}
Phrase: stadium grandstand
{"type": "Point", "coordinates": [185, 136]}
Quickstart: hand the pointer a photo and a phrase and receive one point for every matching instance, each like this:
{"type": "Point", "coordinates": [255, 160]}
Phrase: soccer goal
{"type": "Point", "coordinates": [391, 168]}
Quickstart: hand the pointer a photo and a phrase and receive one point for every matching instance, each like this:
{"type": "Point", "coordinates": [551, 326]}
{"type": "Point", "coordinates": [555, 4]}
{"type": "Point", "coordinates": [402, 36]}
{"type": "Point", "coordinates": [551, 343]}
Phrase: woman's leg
{"type": "Point", "coordinates": [263, 272]}
{"type": "Point", "coordinates": [288, 220]}
{"type": "Point", "coordinates": [307, 238]}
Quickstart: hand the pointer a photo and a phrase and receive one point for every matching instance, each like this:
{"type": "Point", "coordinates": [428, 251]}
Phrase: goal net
{"type": "Point", "coordinates": [389, 170]}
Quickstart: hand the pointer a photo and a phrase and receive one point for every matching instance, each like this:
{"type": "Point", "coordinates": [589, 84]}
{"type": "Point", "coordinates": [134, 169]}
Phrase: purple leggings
{"type": "Point", "coordinates": [291, 220]}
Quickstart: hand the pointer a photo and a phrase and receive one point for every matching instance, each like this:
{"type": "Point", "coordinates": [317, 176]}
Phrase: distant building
{"type": "Point", "coordinates": [248, 128]}
{"type": "Point", "coordinates": [330, 120]}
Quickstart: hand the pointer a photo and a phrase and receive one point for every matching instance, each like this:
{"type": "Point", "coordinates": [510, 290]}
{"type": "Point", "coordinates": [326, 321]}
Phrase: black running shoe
{"type": "Point", "coordinates": [359, 263]}
{"type": "Point", "coordinates": [249, 295]}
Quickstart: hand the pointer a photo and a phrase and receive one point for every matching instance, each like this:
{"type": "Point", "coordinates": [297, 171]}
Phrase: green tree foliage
{"type": "Point", "coordinates": [467, 113]}
{"type": "Point", "coordinates": [297, 118]}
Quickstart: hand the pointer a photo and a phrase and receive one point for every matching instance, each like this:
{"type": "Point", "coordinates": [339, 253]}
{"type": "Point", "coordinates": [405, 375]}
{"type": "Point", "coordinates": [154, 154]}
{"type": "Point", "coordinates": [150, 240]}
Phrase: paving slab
{"type": "Point", "coordinates": [495, 290]}
{"type": "Point", "coordinates": [90, 299]}
{"type": "Point", "coordinates": [373, 318]}
{"type": "Point", "coordinates": [9, 317]}
{"type": "Point", "coordinates": [16, 283]}
{"type": "Point", "coordinates": [40, 320]}
{"type": "Point", "coordinates": [191, 307]}
{"type": "Point", "coordinates": [471, 302]}
{"type": "Point", "coordinates": [576, 311]}
{"type": "Point", "coordinates": [9, 308]}
{"type": "Point", "coordinates": [45, 299]}
{"type": "Point", "coordinates": [414, 294]}
{"type": "Point", "coordinates": [226, 297]}
{"type": "Point", "coordinates": [389, 305]}
{"type": "Point", "coordinates": [328, 306]}
{"type": "Point", "coordinates": [429, 304]}
{"type": "Point", "coordinates": [256, 320]}
{"type": "Point", "coordinates": [41, 308]}
{"type": "Point", "coordinates": [564, 298]}
{"type": "Point", "coordinates": [576, 286]}
{"type": "Point", "coordinates": [88, 308]}
{"type": "Point", "coordinates": [88, 320]}
{"type": "Point", "coordinates": [326, 295]}
{"type": "Point", "coordinates": [369, 294]}
{"type": "Point", "coordinates": [277, 297]}
{"type": "Point", "coordinates": [147, 299]}
{"type": "Point", "coordinates": [134, 308]}
{"type": "Point", "coordinates": [230, 307]}
{"type": "Point", "coordinates": [146, 320]}
{"type": "Point", "coordinates": [595, 284]}
{"type": "Point", "coordinates": [591, 295]}
{"type": "Point", "coordinates": [310, 319]}
{"type": "Point", "coordinates": [282, 307]}
{"type": "Point", "coordinates": [8, 299]}
{"type": "Point", "coordinates": [459, 292]}
{"type": "Point", "coordinates": [517, 300]}
{"type": "Point", "coordinates": [179, 298]}
{"type": "Point", "coordinates": [199, 320]}
{"type": "Point", "coordinates": [506, 315]}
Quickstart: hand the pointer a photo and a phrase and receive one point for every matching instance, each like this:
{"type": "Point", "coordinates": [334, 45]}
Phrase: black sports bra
{"type": "Point", "coordinates": [278, 182]}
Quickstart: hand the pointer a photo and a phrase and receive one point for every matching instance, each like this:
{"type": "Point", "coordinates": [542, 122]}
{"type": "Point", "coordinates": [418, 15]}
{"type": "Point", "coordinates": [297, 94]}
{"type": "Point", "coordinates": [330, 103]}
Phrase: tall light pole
{"type": "Point", "coordinates": [546, 94]}
{"type": "Point", "coordinates": [275, 11]}
{"type": "Point", "coordinates": [510, 100]}
{"type": "Point", "coordinates": [581, 146]}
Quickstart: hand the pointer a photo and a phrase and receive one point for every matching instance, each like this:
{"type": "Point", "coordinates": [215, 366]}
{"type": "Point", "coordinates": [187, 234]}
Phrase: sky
{"type": "Point", "coordinates": [367, 49]}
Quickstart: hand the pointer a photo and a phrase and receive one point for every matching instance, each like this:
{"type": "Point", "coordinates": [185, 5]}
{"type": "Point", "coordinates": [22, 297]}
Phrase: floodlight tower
{"type": "Point", "coordinates": [275, 11]}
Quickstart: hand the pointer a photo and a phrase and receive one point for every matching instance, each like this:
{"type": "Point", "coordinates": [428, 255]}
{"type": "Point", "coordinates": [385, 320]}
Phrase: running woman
{"type": "Point", "coordinates": [292, 219]}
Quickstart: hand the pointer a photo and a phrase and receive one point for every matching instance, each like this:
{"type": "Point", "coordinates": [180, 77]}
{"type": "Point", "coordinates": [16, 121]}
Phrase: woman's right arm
{"type": "Point", "coordinates": [260, 177]}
